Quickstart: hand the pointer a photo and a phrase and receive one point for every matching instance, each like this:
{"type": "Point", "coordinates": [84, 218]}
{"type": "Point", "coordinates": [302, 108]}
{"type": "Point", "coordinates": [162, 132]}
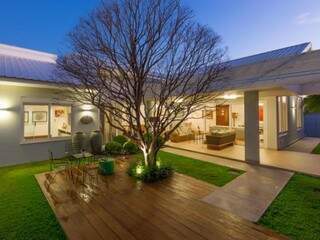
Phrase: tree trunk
{"type": "Point", "coordinates": [150, 157]}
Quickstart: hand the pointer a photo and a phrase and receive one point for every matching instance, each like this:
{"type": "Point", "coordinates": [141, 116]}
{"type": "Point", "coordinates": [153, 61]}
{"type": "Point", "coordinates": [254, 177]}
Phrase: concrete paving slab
{"type": "Point", "coordinates": [250, 194]}
{"type": "Point", "coordinates": [306, 145]}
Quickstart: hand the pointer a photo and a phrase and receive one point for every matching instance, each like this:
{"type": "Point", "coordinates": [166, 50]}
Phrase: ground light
{"type": "Point", "coordinates": [139, 170]}
{"type": "Point", "coordinates": [158, 163]}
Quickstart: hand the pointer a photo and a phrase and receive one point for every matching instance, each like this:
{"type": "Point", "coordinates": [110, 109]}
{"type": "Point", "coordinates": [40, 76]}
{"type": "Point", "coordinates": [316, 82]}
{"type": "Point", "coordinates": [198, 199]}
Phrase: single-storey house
{"type": "Point", "coordinates": [262, 103]}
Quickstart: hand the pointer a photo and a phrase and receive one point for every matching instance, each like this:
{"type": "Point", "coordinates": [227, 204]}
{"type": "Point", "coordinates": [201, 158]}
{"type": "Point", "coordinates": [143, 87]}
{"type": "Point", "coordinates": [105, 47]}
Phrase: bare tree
{"type": "Point", "coordinates": [146, 64]}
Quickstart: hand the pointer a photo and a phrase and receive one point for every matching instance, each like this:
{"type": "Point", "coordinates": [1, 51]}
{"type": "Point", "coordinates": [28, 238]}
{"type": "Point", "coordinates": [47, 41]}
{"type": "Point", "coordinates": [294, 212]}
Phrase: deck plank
{"type": "Point", "coordinates": [118, 207]}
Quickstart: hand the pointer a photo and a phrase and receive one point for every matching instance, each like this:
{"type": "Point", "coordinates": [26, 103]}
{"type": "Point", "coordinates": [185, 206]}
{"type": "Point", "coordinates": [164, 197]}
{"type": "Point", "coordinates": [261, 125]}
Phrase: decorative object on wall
{"type": "Point", "coordinates": [261, 113]}
{"type": "Point", "coordinates": [208, 114]}
{"type": "Point", "coordinates": [26, 116]}
{"type": "Point", "coordinates": [39, 116]}
{"type": "Point", "coordinates": [59, 113]}
{"type": "Point", "coordinates": [86, 119]}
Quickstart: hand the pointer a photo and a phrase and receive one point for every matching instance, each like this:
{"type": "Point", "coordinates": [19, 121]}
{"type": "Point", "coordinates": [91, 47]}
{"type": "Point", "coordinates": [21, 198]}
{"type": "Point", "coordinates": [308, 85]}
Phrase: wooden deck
{"type": "Point", "coordinates": [117, 207]}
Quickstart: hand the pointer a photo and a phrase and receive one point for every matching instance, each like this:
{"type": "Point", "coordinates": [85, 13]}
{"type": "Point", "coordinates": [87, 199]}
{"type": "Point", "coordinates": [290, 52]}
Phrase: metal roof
{"type": "Point", "coordinates": [26, 64]}
{"type": "Point", "coordinates": [278, 53]}
{"type": "Point", "coordinates": [21, 63]}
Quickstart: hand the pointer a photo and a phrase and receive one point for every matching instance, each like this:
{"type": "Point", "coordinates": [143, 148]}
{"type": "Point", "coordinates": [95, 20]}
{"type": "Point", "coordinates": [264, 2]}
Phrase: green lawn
{"type": "Point", "coordinates": [316, 150]}
{"type": "Point", "coordinates": [24, 211]}
{"type": "Point", "coordinates": [296, 210]}
{"type": "Point", "coordinates": [205, 171]}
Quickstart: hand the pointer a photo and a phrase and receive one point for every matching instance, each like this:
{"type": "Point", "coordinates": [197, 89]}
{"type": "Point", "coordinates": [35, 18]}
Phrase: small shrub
{"type": "Point", "coordinates": [153, 174]}
{"type": "Point", "coordinates": [113, 148]}
{"type": "Point", "coordinates": [150, 174]}
{"type": "Point", "coordinates": [120, 139]}
{"type": "Point", "coordinates": [130, 148]}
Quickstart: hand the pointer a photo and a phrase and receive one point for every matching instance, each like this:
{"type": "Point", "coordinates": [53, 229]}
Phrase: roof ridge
{"type": "Point", "coordinates": [26, 53]}
{"type": "Point", "coordinates": [285, 51]}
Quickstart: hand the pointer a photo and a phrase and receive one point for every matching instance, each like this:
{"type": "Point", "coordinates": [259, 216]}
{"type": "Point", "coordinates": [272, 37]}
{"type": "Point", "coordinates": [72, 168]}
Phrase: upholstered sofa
{"type": "Point", "coordinates": [183, 133]}
{"type": "Point", "coordinates": [220, 137]}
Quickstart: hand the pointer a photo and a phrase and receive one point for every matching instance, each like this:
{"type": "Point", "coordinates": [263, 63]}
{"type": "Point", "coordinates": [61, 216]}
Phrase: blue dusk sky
{"type": "Point", "coordinates": [246, 26]}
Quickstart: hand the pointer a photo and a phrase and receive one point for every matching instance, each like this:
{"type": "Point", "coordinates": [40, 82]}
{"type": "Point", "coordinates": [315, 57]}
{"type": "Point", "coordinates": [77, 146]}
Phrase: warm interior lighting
{"type": "Point", "coordinates": [230, 96]}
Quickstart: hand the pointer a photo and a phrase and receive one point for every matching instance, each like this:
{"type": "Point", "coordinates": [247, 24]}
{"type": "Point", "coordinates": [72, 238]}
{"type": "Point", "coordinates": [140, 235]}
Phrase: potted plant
{"type": "Point", "coordinates": [106, 166]}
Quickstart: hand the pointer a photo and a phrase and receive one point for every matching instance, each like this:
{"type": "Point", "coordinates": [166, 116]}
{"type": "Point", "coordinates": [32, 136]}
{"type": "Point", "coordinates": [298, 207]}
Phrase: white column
{"type": "Point", "coordinates": [251, 114]}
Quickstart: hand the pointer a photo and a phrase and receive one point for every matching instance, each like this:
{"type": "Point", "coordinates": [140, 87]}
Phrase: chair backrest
{"type": "Point", "coordinates": [50, 155]}
{"type": "Point", "coordinates": [51, 159]}
{"type": "Point", "coordinates": [68, 148]}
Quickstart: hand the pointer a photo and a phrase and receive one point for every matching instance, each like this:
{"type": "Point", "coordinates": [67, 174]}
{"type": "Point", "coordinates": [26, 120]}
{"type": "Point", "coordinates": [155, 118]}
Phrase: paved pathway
{"type": "Point", "coordinates": [305, 145]}
{"type": "Point", "coordinates": [250, 194]}
{"type": "Point", "coordinates": [288, 160]}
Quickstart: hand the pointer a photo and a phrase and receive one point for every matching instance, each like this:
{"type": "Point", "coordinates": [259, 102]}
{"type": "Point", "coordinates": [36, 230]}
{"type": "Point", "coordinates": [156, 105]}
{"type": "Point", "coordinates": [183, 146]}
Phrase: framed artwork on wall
{"type": "Point", "coordinates": [59, 113]}
{"type": "Point", "coordinates": [39, 116]}
{"type": "Point", "coordinates": [26, 116]}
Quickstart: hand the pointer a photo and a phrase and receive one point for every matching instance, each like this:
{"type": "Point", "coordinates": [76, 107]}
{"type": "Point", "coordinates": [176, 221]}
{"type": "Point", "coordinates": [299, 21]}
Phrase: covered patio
{"type": "Point", "coordinates": [261, 116]}
{"type": "Point", "coordinates": [289, 160]}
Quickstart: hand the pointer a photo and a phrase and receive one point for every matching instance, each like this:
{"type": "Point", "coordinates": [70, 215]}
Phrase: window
{"type": "Point", "coordinates": [282, 114]}
{"type": "Point", "coordinates": [299, 112]}
{"type": "Point", "coordinates": [60, 124]}
{"type": "Point", "coordinates": [36, 122]}
{"type": "Point", "coordinates": [43, 121]}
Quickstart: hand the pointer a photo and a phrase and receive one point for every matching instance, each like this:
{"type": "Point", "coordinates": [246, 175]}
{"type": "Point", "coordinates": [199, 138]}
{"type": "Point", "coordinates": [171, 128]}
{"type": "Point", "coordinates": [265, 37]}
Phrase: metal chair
{"type": "Point", "coordinates": [63, 164]}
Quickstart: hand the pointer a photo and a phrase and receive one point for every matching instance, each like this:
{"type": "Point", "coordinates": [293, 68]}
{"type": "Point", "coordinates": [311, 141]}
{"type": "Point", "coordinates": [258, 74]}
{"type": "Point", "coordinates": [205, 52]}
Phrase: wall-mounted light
{"type": "Point", "coordinates": [4, 104]}
{"type": "Point", "coordinates": [86, 119]}
{"type": "Point", "coordinates": [4, 109]}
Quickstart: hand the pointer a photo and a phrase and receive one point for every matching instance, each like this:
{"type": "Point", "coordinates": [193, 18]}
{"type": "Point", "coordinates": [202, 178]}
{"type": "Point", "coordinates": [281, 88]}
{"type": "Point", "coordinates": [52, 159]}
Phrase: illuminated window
{"type": "Point", "coordinates": [42, 121]}
{"type": "Point", "coordinates": [299, 112]}
{"type": "Point", "coordinates": [60, 124]}
{"type": "Point", "coordinates": [282, 114]}
{"type": "Point", "coordinates": [36, 123]}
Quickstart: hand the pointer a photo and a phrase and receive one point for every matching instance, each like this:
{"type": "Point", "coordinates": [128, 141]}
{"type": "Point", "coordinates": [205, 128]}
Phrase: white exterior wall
{"type": "Point", "coordinates": [13, 148]}
{"type": "Point", "coordinates": [293, 134]}
{"type": "Point", "coordinates": [270, 122]}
